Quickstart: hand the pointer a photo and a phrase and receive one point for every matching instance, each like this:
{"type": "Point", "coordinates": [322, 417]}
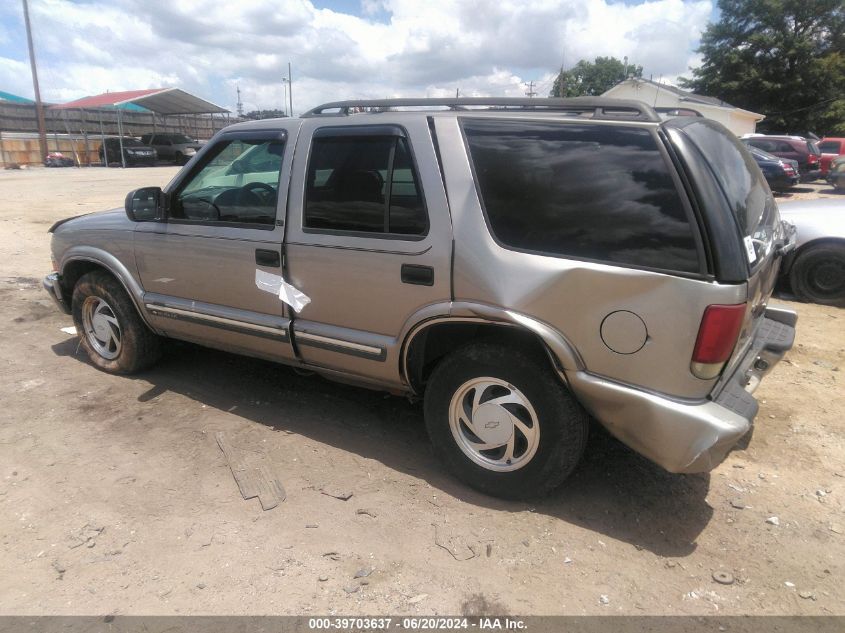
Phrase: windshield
{"type": "Point", "coordinates": [743, 184]}
{"type": "Point", "coordinates": [180, 139]}
{"type": "Point", "coordinates": [130, 142]}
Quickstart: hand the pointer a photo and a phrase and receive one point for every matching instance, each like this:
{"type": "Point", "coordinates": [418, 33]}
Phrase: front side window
{"type": "Point", "coordinates": [586, 191]}
{"type": "Point", "coordinates": [364, 184]}
{"type": "Point", "coordinates": [238, 182]}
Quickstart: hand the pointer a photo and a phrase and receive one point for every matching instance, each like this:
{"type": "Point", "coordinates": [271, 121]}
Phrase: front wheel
{"type": "Point", "coordinates": [110, 330]}
{"type": "Point", "coordinates": [818, 274]}
{"type": "Point", "coordinates": [502, 422]}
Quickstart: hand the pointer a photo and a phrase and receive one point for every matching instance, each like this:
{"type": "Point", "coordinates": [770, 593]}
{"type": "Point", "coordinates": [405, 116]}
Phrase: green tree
{"type": "Point", "coordinates": [782, 58]}
{"type": "Point", "coordinates": [593, 78]}
{"type": "Point", "coordinates": [265, 114]}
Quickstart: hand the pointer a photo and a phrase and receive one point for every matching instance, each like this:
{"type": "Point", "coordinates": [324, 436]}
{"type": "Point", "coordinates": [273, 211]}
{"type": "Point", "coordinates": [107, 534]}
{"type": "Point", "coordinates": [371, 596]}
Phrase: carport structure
{"type": "Point", "coordinates": [162, 101]}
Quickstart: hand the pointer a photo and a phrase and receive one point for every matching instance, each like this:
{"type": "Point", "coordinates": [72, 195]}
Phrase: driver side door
{"type": "Point", "coordinates": [224, 221]}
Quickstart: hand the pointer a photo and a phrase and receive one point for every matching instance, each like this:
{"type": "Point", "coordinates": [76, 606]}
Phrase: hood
{"type": "Point", "coordinates": [112, 220]}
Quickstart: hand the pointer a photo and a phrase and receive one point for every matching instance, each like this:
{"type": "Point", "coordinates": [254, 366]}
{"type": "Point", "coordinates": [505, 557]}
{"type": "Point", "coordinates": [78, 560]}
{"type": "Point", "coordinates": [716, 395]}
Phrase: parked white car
{"type": "Point", "coordinates": [816, 268]}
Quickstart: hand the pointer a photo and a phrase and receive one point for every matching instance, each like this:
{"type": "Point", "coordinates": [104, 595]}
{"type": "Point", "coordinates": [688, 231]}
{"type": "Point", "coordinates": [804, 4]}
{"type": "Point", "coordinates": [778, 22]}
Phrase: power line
{"type": "Point", "coordinates": [810, 107]}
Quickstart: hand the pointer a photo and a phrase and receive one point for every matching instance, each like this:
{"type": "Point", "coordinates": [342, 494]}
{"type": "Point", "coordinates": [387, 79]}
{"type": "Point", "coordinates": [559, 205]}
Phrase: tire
{"type": "Point", "coordinates": [818, 274]}
{"type": "Point", "coordinates": [545, 449]}
{"type": "Point", "coordinates": [109, 327]}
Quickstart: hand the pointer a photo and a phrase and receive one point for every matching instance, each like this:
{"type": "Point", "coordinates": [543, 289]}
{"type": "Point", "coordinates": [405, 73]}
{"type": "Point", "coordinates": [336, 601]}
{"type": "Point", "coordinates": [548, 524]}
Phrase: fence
{"type": "Point", "coordinates": [79, 133]}
{"type": "Point", "coordinates": [22, 148]}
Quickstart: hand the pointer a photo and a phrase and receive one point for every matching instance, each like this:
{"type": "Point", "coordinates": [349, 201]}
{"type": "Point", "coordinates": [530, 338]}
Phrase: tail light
{"type": "Point", "coordinates": [787, 169]}
{"type": "Point", "coordinates": [717, 336]}
{"type": "Point", "coordinates": [812, 159]}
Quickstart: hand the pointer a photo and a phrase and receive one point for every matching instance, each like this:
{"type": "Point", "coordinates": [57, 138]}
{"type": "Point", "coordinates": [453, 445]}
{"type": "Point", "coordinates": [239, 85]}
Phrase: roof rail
{"type": "Point", "coordinates": [598, 107]}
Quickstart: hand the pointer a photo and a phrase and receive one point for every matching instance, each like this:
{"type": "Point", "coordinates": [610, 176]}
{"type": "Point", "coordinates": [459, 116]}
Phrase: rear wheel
{"type": "Point", "coordinates": [818, 274]}
{"type": "Point", "coordinates": [502, 422]}
{"type": "Point", "coordinates": [110, 330]}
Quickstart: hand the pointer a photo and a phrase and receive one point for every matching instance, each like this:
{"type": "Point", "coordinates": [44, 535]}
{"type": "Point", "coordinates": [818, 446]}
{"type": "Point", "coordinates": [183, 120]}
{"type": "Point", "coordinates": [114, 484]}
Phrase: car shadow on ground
{"type": "Point", "coordinates": [787, 194]}
{"type": "Point", "coordinates": [614, 492]}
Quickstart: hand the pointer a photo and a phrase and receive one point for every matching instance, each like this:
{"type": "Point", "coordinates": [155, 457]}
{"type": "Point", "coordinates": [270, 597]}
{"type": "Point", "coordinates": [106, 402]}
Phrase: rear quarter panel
{"type": "Point", "coordinates": [574, 296]}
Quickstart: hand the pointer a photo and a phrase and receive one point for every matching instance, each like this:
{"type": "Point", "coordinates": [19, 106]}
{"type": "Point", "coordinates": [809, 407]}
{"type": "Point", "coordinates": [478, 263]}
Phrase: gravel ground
{"type": "Point", "coordinates": [116, 498]}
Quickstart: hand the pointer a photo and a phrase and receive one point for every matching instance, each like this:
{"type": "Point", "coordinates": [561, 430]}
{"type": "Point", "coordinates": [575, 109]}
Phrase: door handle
{"type": "Point", "coordinates": [271, 259]}
{"type": "Point", "coordinates": [417, 275]}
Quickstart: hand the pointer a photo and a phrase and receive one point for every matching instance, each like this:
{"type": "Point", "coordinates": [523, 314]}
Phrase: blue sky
{"type": "Point", "coordinates": [338, 48]}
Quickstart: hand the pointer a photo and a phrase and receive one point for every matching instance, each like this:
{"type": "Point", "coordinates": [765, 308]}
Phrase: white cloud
{"type": "Point", "coordinates": [396, 47]}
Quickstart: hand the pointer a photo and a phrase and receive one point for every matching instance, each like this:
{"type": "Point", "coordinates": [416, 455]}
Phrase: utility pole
{"type": "Point", "coordinates": [290, 89]}
{"type": "Point", "coordinates": [457, 93]}
{"type": "Point", "coordinates": [530, 93]}
{"type": "Point", "coordinates": [39, 107]}
{"type": "Point", "coordinates": [240, 105]}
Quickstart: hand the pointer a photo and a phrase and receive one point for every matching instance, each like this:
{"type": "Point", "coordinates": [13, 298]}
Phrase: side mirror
{"type": "Point", "coordinates": [145, 204]}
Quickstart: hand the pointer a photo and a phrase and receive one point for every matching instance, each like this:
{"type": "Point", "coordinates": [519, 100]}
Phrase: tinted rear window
{"type": "Point", "coordinates": [741, 181]}
{"type": "Point", "coordinates": [587, 191]}
{"type": "Point", "coordinates": [813, 148]}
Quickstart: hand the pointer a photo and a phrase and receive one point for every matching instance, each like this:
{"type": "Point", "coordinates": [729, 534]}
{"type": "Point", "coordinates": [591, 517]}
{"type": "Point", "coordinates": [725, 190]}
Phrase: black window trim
{"type": "Point", "coordinates": [205, 152]}
{"type": "Point", "coordinates": [701, 274]}
{"type": "Point", "coordinates": [751, 269]}
{"type": "Point", "coordinates": [388, 130]}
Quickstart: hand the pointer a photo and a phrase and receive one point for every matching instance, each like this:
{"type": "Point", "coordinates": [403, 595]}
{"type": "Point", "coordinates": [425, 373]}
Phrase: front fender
{"type": "Point", "coordinates": [113, 265]}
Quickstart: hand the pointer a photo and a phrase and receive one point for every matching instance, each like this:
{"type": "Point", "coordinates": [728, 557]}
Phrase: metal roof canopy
{"type": "Point", "coordinates": [158, 100]}
{"type": "Point", "coordinates": [162, 101]}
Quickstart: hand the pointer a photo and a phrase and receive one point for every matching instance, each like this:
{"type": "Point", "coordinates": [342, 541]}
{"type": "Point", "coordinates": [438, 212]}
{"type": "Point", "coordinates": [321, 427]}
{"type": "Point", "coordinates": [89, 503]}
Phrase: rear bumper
{"type": "Point", "coordinates": [53, 285]}
{"type": "Point", "coordinates": [836, 178]}
{"type": "Point", "coordinates": [810, 176]}
{"type": "Point", "coordinates": [783, 181]}
{"type": "Point", "coordinates": [686, 436]}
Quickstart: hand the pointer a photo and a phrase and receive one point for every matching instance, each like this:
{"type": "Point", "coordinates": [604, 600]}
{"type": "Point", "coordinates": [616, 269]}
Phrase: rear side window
{"type": "Point", "coordinates": [766, 146]}
{"type": "Point", "coordinates": [586, 191]}
{"type": "Point", "coordinates": [364, 184]}
{"type": "Point", "coordinates": [829, 147]}
{"type": "Point", "coordinates": [741, 181]}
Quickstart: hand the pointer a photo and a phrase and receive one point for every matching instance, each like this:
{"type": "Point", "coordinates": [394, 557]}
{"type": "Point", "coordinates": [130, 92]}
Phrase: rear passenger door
{"type": "Point", "coordinates": [368, 240]}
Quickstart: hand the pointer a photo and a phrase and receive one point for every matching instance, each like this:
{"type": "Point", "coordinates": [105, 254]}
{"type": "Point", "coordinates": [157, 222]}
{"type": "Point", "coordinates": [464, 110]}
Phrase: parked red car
{"type": "Point", "coordinates": [805, 151]}
{"type": "Point", "coordinates": [830, 148]}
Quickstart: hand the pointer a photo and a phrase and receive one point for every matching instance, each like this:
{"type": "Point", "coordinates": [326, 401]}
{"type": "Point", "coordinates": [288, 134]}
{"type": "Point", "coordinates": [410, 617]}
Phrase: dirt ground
{"type": "Point", "coordinates": [116, 499]}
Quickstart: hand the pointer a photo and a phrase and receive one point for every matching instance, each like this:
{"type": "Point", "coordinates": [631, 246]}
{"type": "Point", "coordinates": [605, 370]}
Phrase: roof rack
{"type": "Point", "coordinates": [598, 107]}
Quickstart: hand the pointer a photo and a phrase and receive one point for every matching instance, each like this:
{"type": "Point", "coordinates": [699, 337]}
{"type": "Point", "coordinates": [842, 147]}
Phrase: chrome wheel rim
{"type": "Point", "coordinates": [101, 328]}
{"type": "Point", "coordinates": [494, 424]}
